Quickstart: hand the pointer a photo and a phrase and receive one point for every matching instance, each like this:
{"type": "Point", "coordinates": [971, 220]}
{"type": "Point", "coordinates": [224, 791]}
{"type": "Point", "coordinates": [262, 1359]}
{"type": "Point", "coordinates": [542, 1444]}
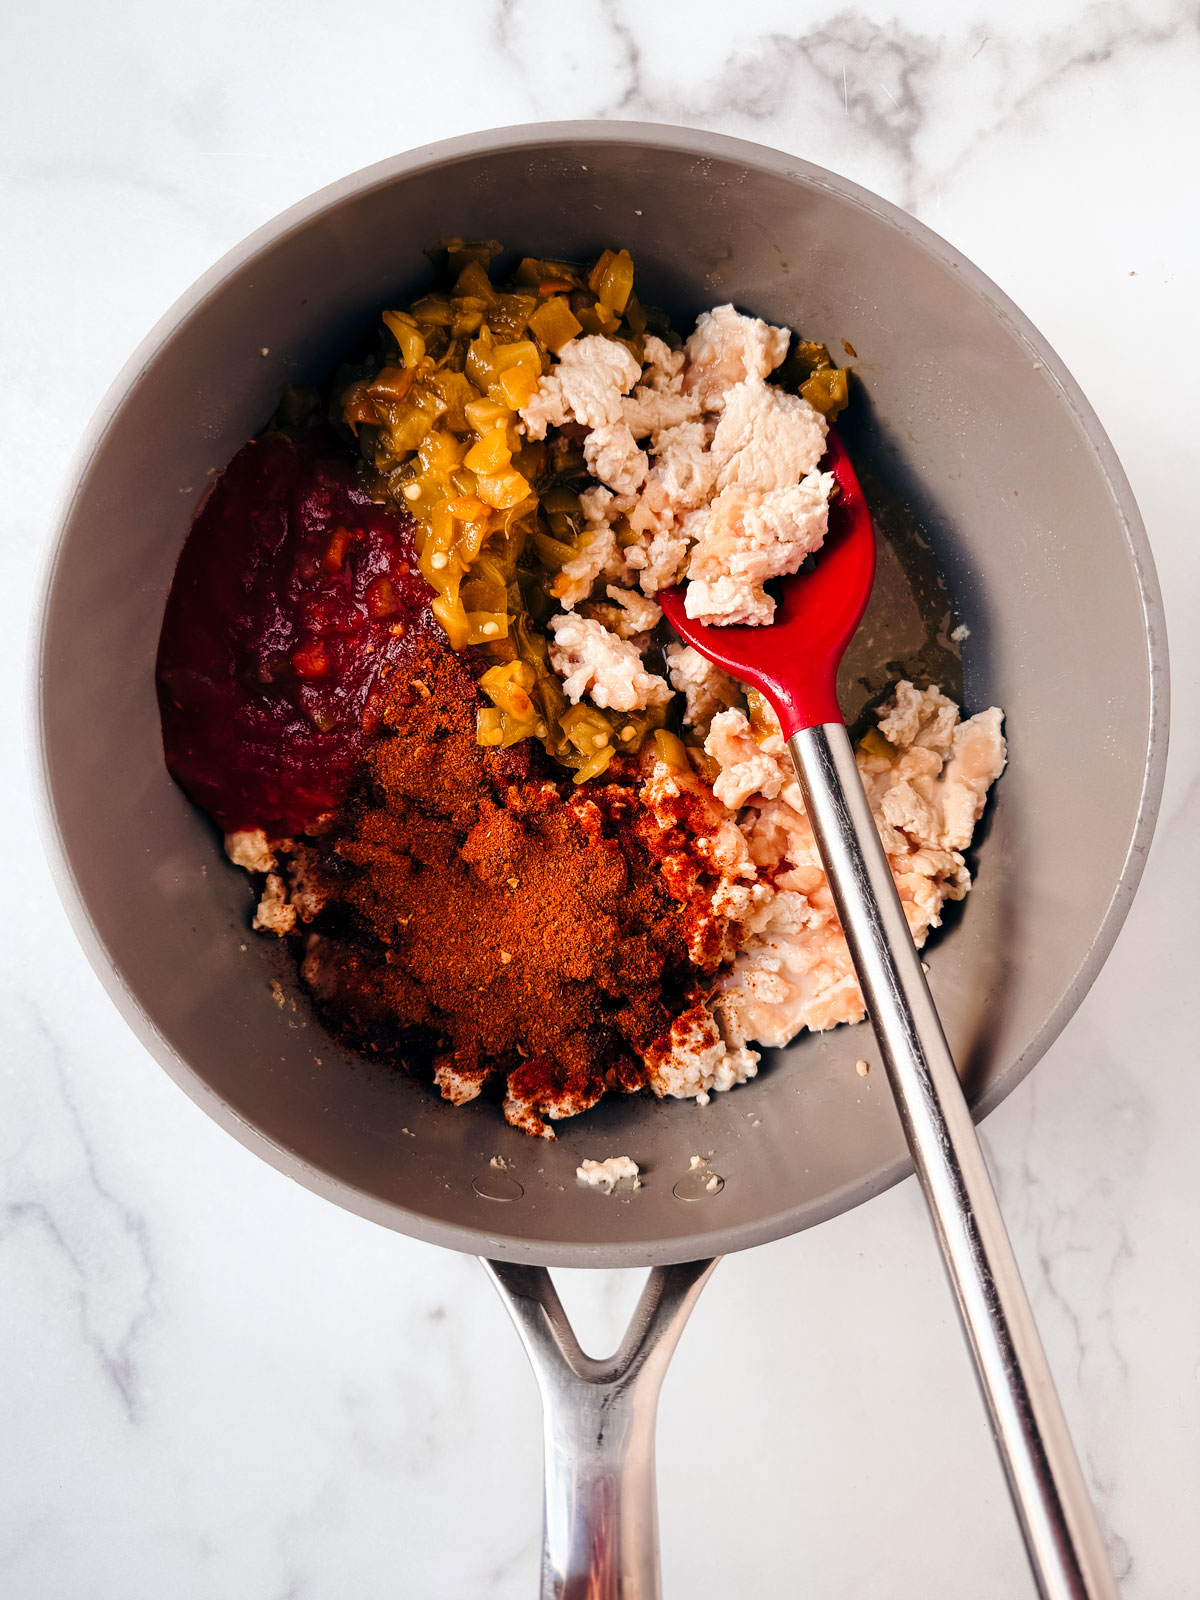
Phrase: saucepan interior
{"type": "Point", "coordinates": [961, 409]}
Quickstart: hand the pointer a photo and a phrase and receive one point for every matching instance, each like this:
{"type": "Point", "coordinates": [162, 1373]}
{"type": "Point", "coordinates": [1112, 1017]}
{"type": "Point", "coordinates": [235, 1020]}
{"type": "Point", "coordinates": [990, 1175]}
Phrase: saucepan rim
{"type": "Point", "coordinates": [705, 1240]}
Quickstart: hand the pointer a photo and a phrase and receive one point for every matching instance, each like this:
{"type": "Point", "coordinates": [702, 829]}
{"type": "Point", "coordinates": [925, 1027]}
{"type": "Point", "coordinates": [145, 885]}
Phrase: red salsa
{"type": "Point", "coordinates": [295, 597]}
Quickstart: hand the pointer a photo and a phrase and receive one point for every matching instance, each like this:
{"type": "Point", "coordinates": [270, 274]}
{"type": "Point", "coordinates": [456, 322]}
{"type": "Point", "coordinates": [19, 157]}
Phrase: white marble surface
{"type": "Point", "coordinates": [214, 1385]}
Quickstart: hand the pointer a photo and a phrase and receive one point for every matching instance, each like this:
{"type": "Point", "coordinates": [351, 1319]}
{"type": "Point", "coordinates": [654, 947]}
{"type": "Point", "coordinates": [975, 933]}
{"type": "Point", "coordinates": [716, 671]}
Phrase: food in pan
{"type": "Point", "coordinates": [523, 842]}
{"type": "Point", "coordinates": [606, 1175]}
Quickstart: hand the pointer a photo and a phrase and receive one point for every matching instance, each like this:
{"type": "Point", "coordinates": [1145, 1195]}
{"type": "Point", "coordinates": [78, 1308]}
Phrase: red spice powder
{"type": "Point", "coordinates": [491, 925]}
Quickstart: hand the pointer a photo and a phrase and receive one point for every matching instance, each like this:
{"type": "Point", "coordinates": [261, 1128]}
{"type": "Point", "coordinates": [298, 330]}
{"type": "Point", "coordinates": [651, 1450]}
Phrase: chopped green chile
{"type": "Point", "coordinates": [828, 391]}
{"type": "Point", "coordinates": [436, 417]}
{"type": "Point", "coordinates": [874, 743]}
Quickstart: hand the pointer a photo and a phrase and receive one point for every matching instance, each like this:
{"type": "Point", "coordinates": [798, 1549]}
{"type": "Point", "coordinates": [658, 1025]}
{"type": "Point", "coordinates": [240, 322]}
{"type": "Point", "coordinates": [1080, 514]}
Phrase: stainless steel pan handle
{"type": "Point", "coordinates": [1047, 1487]}
{"type": "Point", "coordinates": [600, 1530]}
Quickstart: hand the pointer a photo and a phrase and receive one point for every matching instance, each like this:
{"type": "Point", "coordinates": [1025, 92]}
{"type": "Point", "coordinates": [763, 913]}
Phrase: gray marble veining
{"type": "Point", "coordinates": [213, 1384]}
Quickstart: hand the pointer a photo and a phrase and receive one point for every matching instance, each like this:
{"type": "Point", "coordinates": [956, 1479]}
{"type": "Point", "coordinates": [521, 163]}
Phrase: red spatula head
{"type": "Point", "coordinates": [795, 660]}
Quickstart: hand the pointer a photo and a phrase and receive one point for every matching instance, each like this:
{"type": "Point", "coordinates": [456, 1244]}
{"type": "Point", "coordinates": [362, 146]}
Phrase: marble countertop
{"type": "Point", "coordinates": [214, 1385]}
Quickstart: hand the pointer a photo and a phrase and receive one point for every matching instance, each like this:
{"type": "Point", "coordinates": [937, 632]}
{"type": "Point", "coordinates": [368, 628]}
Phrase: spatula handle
{"type": "Point", "coordinates": [1047, 1487]}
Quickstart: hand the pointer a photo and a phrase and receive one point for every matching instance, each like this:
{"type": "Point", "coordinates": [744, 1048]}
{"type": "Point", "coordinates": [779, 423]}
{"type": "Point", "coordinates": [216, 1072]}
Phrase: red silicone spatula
{"type": "Point", "coordinates": [794, 663]}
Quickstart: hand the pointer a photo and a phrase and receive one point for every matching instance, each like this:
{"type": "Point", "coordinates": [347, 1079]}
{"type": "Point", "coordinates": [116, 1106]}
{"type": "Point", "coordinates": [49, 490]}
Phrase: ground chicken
{"type": "Point", "coordinates": [250, 849]}
{"type": "Point", "coordinates": [695, 1059]}
{"type": "Point", "coordinates": [766, 438]}
{"type": "Point", "coordinates": [613, 456]}
{"type": "Point", "coordinates": [597, 554]}
{"type": "Point", "coordinates": [589, 381]}
{"type": "Point", "coordinates": [794, 970]}
{"type": "Point", "coordinates": [727, 348]}
{"type": "Point", "coordinates": [638, 614]}
{"type": "Point", "coordinates": [706, 688]}
{"type": "Point", "coordinates": [747, 540]}
{"type": "Point", "coordinates": [592, 661]}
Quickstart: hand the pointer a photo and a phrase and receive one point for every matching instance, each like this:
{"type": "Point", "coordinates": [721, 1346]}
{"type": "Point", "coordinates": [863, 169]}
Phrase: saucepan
{"type": "Point", "coordinates": [1018, 528]}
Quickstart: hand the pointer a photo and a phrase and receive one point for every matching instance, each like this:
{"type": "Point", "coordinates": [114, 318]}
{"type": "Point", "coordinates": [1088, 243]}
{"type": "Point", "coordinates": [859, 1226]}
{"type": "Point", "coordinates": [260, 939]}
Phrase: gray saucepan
{"type": "Point", "coordinates": [974, 426]}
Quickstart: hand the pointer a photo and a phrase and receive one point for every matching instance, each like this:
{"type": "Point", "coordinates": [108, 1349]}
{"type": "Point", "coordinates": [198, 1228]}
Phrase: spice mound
{"type": "Point", "coordinates": [475, 920]}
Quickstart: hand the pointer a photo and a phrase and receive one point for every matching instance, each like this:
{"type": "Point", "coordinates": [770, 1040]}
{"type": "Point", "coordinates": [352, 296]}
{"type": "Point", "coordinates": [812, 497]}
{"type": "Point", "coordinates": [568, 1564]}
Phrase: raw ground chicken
{"type": "Point", "coordinates": [700, 467]}
{"type": "Point", "coordinates": [703, 466]}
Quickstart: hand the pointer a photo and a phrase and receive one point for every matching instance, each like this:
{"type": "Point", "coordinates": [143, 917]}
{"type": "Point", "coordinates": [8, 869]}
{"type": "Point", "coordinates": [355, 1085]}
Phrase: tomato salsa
{"type": "Point", "coordinates": [295, 597]}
